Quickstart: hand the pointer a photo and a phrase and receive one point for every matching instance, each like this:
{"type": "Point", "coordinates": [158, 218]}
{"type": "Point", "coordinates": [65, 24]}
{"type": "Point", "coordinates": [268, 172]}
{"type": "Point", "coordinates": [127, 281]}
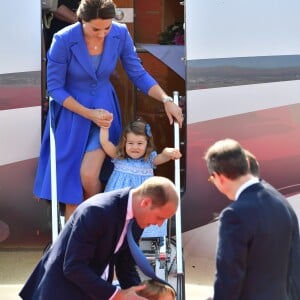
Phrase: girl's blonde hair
{"type": "Point", "coordinates": [138, 127]}
{"type": "Point", "coordinates": [154, 290]}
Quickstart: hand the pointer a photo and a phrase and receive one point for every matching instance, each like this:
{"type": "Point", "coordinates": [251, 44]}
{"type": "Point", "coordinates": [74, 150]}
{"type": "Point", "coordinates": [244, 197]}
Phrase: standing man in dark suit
{"type": "Point", "coordinates": [257, 231]}
{"type": "Point", "coordinates": [294, 268]}
{"type": "Point", "coordinates": [82, 260]}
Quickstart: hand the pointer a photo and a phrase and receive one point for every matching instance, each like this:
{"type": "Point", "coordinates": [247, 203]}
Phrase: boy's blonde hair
{"type": "Point", "coordinates": [138, 127]}
{"type": "Point", "coordinates": [154, 290]}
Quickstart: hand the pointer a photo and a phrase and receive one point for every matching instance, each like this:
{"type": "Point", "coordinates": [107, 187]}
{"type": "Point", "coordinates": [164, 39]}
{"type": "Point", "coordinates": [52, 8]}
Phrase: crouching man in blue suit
{"type": "Point", "coordinates": [258, 236]}
{"type": "Point", "coordinates": [82, 260]}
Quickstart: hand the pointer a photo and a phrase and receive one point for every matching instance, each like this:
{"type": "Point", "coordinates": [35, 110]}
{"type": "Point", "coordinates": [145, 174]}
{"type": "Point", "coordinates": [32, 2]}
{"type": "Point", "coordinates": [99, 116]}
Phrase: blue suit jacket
{"type": "Point", "coordinates": [70, 72]}
{"type": "Point", "coordinates": [72, 267]}
{"type": "Point", "coordinates": [256, 238]}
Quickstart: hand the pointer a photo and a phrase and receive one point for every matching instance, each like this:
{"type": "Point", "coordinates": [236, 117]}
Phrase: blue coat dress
{"type": "Point", "coordinates": [70, 72]}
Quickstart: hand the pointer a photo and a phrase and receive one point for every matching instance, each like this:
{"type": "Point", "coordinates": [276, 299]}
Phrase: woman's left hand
{"type": "Point", "coordinates": [174, 112]}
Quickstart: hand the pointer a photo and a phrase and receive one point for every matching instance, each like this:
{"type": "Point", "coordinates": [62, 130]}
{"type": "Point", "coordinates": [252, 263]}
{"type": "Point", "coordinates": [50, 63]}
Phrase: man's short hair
{"type": "Point", "coordinates": [253, 163]}
{"type": "Point", "coordinates": [227, 157]}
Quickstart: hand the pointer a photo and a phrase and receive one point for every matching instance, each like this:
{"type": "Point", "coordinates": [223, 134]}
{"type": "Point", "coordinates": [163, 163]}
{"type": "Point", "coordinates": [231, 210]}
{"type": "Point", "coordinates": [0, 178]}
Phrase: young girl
{"type": "Point", "coordinates": [134, 160]}
{"type": "Point", "coordinates": [155, 290]}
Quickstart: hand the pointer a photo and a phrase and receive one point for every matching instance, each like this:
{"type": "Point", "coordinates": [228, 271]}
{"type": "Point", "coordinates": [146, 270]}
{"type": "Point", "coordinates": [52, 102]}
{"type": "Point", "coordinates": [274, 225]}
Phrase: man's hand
{"type": "Point", "coordinates": [130, 294]}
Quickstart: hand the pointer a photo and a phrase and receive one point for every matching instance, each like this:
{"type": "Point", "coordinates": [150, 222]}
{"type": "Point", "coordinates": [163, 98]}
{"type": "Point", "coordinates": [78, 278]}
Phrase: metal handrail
{"type": "Point", "coordinates": [54, 201]}
{"type": "Point", "coordinates": [179, 253]}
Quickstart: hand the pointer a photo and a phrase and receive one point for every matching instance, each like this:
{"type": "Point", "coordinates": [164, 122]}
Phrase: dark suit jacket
{"type": "Point", "coordinates": [256, 238]}
{"type": "Point", "coordinates": [294, 262]}
{"type": "Point", "coordinates": [72, 267]}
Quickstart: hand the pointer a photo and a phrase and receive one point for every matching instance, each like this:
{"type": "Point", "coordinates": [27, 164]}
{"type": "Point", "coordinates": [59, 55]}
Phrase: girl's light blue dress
{"type": "Point", "coordinates": [130, 172]}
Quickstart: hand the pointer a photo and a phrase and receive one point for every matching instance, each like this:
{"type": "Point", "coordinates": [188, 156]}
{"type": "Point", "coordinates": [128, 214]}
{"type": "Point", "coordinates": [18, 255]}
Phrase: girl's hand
{"type": "Point", "coordinates": [172, 153]}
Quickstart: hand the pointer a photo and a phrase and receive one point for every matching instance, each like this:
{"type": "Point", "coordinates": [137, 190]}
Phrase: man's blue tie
{"type": "Point", "coordinates": [140, 258]}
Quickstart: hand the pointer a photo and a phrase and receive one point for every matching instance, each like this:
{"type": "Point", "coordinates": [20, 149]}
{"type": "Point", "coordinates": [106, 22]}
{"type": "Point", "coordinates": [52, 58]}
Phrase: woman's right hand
{"type": "Point", "coordinates": [102, 118]}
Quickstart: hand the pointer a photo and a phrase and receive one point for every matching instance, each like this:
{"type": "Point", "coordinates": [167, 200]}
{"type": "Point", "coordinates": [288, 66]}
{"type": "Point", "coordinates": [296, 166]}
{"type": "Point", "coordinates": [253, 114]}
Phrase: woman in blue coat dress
{"type": "Point", "coordinates": [80, 61]}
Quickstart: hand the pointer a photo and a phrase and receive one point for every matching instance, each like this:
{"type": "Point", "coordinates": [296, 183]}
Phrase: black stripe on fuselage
{"type": "Point", "coordinates": [19, 90]}
{"type": "Point", "coordinates": [225, 72]}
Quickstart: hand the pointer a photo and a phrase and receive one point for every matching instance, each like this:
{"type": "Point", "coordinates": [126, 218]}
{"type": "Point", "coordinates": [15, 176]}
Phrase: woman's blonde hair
{"type": "Point", "coordinates": [154, 290]}
{"type": "Point", "coordinates": [138, 127]}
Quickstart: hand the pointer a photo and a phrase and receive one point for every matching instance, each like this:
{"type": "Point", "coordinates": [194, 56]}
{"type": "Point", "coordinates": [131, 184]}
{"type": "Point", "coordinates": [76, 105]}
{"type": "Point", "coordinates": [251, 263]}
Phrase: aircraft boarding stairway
{"type": "Point", "coordinates": [163, 252]}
